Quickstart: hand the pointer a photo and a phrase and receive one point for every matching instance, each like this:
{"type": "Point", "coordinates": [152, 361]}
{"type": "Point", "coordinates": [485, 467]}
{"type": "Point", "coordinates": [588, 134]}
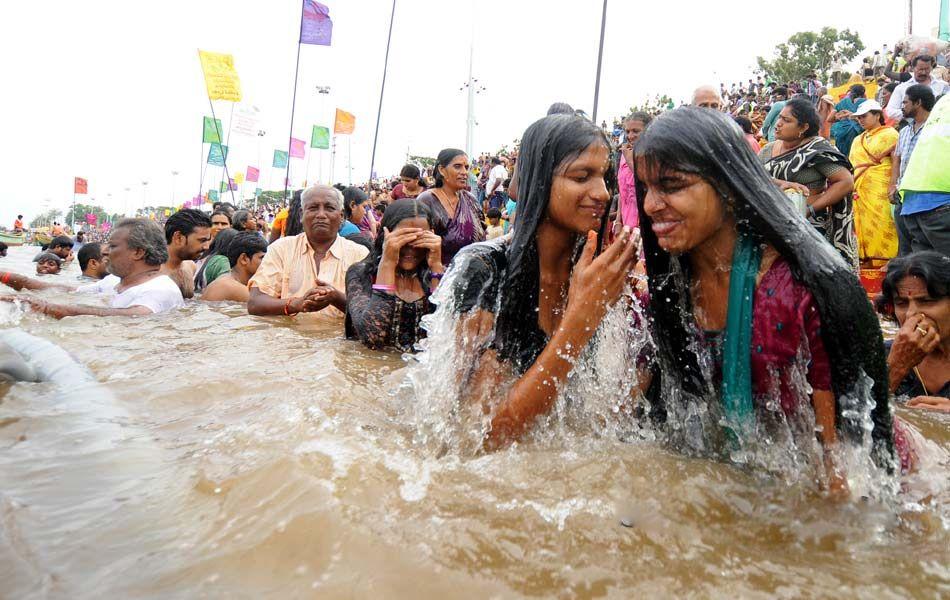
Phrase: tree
{"type": "Point", "coordinates": [46, 219]}
{"type": "Point", "coordinates": [807, 52]}
{"type": "Point", "coordinates": [78, 214]}
{"type": "Point", "coordinates": [655, 106]}
{"type": "Point", "coordinates": [423, 161]}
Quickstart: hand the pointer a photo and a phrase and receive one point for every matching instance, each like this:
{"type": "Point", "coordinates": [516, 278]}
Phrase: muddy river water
{"type": "Point", "coordinates": [223, 455]}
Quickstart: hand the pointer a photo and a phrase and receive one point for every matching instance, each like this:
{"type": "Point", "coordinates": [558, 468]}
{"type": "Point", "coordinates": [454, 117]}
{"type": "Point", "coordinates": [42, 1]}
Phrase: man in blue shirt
{"type": "Point", "coordinates": [916, 106]}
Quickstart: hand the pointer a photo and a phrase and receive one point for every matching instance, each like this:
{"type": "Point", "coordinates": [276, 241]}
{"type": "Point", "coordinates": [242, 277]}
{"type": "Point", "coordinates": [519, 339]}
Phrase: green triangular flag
{"type": "Point", "coordinates": [211, 133]}
{"type": "Point", "coordinates": [320, 137]}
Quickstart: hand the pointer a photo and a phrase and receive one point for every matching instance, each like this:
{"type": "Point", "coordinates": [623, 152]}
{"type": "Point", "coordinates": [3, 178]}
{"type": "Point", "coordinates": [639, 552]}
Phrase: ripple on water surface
{"type": "Point", "coordinates": [231, 456]}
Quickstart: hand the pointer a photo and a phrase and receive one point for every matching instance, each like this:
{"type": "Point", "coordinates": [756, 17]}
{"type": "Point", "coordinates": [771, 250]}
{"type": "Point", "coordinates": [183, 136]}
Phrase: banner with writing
{"type": "Point", "coordinates": [221, 79]}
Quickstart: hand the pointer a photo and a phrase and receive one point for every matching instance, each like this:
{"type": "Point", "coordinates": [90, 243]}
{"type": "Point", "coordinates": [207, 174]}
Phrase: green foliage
{"type": "Point", "coordinates": [79, 211]}
{"type": "Point", "coordinates": [654, 106]}
{"type": "Point", "coordinates": [807, 52]}
{"type": "Point", "coordinates": [46, 219]}
{"type": "Point", "coordinates": [423, 161]}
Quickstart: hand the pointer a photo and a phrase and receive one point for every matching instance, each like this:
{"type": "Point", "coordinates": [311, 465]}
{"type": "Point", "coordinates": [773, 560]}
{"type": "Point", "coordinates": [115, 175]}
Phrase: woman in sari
{"type": "Point", "coordinates": [802, 161]}
{"type": "Point", "coordinates": [871, 157]}
{"type": "Point", "coordinates": [456, 213]}
{"type": "Point", "coordinates": [765, 339]}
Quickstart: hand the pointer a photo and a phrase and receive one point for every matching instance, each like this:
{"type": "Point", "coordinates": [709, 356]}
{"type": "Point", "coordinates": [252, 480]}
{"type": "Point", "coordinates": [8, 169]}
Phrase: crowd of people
{"type": "Point", "coordinates": [739, 238]}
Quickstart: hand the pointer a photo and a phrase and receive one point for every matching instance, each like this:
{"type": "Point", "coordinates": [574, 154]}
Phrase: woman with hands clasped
{"type": "Point", "coordinates": [388, 292]}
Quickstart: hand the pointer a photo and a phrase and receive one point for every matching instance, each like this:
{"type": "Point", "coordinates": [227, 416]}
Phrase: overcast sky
{"type": "Point", "coordinates": [112, 90]}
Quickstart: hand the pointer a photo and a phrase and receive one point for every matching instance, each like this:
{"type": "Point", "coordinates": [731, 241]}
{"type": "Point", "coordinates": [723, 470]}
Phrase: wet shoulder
{"type": "Point", "coordinates": [476, 273]}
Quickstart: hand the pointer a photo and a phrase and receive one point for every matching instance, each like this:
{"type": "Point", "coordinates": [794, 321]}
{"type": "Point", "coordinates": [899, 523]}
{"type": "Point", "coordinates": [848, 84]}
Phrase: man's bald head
{"type": "Point", "coordinates": [706, 96]}
{"type": "Point", "coordinates": [320, 191]}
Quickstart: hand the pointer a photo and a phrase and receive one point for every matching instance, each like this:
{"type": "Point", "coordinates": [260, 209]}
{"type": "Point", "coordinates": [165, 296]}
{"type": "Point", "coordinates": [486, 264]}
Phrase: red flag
{"type": "Point", "coordinates": [80, 185]}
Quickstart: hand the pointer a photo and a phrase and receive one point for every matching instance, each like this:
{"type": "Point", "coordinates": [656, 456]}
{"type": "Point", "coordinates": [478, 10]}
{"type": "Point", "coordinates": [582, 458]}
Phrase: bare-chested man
{"type": "Point", "coordinates": [188, 233]}
{"type": "Point", "coordinates": [245, 253]}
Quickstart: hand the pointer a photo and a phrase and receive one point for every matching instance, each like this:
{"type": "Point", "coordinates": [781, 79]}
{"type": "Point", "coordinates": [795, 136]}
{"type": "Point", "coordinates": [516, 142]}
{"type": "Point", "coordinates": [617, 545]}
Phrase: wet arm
{"type": "Point", "coordinates": [22, 282]}
{"type": "Point", "coordinates": [263, 305]}
{"type": "Point", "coordinates": [534, 393]}
{"type": "Point", "coordinates": [370, 312]}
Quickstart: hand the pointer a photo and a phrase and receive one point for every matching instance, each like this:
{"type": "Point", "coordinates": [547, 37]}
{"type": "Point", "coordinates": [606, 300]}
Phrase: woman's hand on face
{"type": "Point", "coordinates": [395, 240]}
{"type": "Point", "coordinates": [433, 244]}
{"type": "Point", "coordinates": [596, 283]}
{"type": "Point", "coordinates": [930, 403]}
{"type": "Point", "coordinates": [916, 338]}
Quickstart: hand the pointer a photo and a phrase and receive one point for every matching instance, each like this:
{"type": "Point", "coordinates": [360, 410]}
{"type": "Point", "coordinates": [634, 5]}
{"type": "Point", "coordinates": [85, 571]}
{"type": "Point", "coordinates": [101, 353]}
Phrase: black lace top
{"type": "Point", "coordinates": [378, 319]}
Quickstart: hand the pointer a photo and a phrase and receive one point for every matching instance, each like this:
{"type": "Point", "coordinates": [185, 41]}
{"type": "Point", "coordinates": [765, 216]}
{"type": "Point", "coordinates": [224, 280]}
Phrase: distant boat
{"type": "Point", "coordinates": [12, 239]}
{"type": "Point", "coordinates": [42, 238]}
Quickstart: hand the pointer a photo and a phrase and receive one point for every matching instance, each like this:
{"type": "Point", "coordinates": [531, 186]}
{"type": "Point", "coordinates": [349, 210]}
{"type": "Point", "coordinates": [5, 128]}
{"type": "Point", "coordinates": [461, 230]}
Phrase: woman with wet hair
{"type": "Point", "coordinates": [457, 216]}
{"type": "Point", "coordinates": [801, 161]}
{"type": "Point", "coordinates": [519, 311]}
{"type": "Point", "coordinates": [764, 335]}
{"type": "Point", "coordinates": [387, 293]}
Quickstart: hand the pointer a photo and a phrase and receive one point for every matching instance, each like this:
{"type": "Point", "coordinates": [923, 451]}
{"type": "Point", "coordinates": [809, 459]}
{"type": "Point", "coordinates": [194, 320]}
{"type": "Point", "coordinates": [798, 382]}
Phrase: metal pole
{"type": "Point", "coordinates": [470, 120]}
{"type": "Point", "coordinates": [910, 17]}
{"type": "Point", "coordinates": [382, 88]}
{"type": "Point", "coordinates": [600, 59]}
{"type": "Point", "coordinates": [293, 105]}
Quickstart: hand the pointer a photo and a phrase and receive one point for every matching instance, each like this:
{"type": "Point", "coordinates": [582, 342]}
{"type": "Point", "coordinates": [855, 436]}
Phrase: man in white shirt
{"type": "Point", "coordinates": [494, 189]}
{"type": "Point", "coordinates": [135, 287]}
{"type": "Point", "coordinates": [922, 67]}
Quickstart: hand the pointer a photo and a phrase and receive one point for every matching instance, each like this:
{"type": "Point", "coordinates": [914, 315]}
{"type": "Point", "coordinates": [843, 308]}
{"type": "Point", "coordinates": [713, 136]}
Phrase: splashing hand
{"type": "Point", "coordinates": [596, 283]}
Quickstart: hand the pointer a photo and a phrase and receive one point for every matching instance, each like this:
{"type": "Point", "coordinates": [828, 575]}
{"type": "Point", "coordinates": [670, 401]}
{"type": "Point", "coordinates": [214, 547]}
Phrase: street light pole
{"type": "Point", "coordinates": [600, 60]}
{"type": "Point", "coordinates": [324, 91]}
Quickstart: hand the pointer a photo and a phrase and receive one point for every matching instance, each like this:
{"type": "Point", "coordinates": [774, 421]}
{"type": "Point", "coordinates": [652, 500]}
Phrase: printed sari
{"type": "Point", "coordinates": [873, 218]}
{"type": "Point", "coordinates": [810, 165]}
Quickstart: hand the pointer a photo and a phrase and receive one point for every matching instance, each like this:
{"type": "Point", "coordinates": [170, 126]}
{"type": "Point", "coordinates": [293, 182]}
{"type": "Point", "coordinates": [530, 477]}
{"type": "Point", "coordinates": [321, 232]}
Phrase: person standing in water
{"type": "Point", "coordinates": [188, 235]}
{"type": "Point", "coordinates": [523, 311]}
{"type": "Point", "coordinates": [458, 218]}
{"type": "Point", "coordinates": [387, 293]}
{"type": "Point", "coordinates": [135, 287]}
{"type": "Point", "coordinates": [306, 273]}
{"type": "Point", "coordinates": [739, 282]}
{"type": "Point", "coordinates": [244, 253]}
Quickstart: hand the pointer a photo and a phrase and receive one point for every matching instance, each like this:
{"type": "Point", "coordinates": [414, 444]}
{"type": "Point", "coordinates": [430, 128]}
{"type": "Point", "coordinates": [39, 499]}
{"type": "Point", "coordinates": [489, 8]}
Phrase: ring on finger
{"type": "Point", "coordinates": [921, 330]}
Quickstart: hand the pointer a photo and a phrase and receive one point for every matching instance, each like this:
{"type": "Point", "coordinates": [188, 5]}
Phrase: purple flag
{"type": "Point", "coordinates": [315, 24]}
{"type": "Point", "coordinates": [231, 185]}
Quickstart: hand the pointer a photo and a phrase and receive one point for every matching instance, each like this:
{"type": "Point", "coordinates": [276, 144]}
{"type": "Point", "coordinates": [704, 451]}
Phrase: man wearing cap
{"type": "Point", "coordinates": [922, 66]}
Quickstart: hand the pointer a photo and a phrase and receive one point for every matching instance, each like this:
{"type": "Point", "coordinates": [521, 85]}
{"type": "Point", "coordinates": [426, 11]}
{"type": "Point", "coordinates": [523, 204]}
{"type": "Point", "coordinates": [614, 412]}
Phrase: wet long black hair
{"type": "Point", "coordinates": [219, 245]}
{"type": "Point", "coordinates": [294, 221]}
{"type": "Point", "coordinates": [707, 143]}
{"type": "Point", "coordinates": [397, 212]}
{"type": "Point", "coordinates": [548, 146]}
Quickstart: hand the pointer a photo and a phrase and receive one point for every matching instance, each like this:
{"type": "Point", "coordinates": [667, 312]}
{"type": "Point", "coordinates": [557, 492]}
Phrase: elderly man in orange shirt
{"type": "Point", "coordinates": [306, 273]}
